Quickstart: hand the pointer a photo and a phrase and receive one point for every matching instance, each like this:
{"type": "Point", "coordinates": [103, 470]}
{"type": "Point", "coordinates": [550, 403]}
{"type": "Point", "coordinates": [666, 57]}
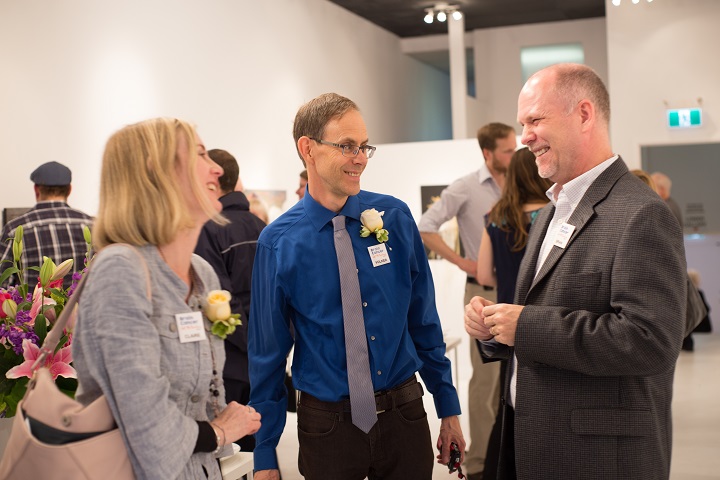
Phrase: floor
{"type": "Point", "coordinates": [696, 412]}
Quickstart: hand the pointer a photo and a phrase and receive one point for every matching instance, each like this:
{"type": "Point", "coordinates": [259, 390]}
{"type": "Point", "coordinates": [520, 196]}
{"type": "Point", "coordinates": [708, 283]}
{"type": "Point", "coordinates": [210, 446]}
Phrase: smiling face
{"type": "Point", "coordinates": [202, 181]}
{"type": "Point", "coordinates": [332, 176]}
{"type": "Point", "coordinates": [551, 130]}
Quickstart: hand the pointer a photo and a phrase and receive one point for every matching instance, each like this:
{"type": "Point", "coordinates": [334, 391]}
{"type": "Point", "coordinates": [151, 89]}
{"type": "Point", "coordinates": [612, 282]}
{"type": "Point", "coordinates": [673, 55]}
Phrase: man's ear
{"type": "Point", "coordinates": [37, 192]}
{"type": "Point", "coordinates": [305, 147]}
{"type": "Point", "coordinates": [587, 113]}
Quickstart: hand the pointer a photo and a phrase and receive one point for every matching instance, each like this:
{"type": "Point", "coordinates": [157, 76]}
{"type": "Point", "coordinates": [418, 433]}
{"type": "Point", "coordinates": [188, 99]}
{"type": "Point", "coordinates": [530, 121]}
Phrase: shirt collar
{"type": "Point", "coordinates": [575, 189]}
{"type": "Point", "coordinates": [321, 216]}
{"type": "Point", "coordinates": [50, 204]}
{"type": "Point", "coordinates": [484, 174]}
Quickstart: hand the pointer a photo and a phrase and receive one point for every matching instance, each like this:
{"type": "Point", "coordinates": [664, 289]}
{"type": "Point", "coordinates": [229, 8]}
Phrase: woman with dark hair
{"type": "Point", "coordinates": [505, 237]}
{"type": "Point", "coordinates": [502, 248]}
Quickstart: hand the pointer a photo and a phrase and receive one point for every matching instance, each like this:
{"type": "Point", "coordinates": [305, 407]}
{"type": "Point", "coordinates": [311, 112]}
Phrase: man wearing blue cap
{"type": "Point", "coordinates": [51, 228]}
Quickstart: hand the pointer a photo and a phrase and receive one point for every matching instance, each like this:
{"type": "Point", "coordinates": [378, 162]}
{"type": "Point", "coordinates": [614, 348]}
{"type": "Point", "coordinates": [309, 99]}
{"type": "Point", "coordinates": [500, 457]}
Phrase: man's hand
{"type": "Point", "coordinates": [501, 321]}
{"type": "Point", "coordinates": [267, 475]}
{"type": "Point", "coordinates": [450, 432]}
{"type": "Point", "coordinates": [475, 320]}
{"type": "Point", "coordinates": [468, 266]}
{"type": "Point", "coordinates": [435, 242]}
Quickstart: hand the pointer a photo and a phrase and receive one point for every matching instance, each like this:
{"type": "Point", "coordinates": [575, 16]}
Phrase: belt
{"type": "Point", "coordinates": [472, 281]}
{"type": "Point", "coordinates": [385, 400]}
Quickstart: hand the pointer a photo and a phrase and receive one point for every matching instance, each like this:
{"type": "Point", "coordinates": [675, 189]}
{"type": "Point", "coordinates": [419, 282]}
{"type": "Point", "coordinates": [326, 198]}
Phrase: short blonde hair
{"type": "Point", "coordinates": [140, 198]}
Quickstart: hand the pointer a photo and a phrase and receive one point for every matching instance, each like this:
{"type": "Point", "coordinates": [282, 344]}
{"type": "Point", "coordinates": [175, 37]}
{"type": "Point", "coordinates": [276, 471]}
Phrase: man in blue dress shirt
{"type": "Point", "coordinates": [296, 282]}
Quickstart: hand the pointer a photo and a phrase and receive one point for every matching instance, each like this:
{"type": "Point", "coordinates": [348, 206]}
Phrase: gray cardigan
{"type": "Point", "coordinates": [127, 348]}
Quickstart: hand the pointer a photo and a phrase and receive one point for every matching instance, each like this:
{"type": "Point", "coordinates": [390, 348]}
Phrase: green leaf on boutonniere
{"type": "Point", "coordinates": [381, 235]}
{"type": "Point", "coordinates": [364, 232]}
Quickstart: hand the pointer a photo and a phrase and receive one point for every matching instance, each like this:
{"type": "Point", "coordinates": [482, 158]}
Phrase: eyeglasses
{"type": "Point", "coordinates": [350, 151]}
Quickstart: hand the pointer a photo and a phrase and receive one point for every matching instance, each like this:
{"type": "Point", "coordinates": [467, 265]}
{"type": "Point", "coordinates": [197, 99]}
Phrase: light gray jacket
{"type": "Point", "coordinates": [127, 348]}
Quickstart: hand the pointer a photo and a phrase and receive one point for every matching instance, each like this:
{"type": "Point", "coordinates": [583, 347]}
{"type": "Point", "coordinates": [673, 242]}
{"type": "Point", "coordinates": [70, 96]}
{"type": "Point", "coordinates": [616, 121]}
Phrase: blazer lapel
{"type": "Point", "coordinates": [582, 215]}
{"type": "Point", "coordinates": [529, 262]}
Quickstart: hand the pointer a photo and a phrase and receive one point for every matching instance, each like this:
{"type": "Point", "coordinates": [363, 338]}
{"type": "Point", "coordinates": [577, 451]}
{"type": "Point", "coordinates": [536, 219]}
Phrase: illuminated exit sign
{"type": "Point", "coordinates": [684, 117]}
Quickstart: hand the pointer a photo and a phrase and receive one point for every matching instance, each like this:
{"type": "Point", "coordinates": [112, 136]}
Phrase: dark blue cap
{"type": "Point", "coordinates": [51, 174]}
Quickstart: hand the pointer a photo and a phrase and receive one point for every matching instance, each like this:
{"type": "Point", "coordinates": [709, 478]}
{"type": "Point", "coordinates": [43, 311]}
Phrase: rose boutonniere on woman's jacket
{"type": "Point", "coordinates": [372, 222]}
{"type": "Point", "coordinates": [217, 310]}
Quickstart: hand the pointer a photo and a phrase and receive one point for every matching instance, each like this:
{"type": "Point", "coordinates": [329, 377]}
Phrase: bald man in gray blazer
{"type": "Point", "coordinates": [598, 324]}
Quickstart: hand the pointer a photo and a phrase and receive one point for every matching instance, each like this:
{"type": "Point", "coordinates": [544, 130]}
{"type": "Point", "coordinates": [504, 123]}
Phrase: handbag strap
{"type": "Point", "coordinates": [53, 337]}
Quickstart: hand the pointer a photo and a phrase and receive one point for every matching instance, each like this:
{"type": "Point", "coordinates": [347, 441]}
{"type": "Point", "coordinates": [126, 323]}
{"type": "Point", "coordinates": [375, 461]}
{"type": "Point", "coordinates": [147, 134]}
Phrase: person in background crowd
{"type": "Point", "coordinates": [502, 248]}
{"type": "Point", "coordinates": [364, 320]}
{"type": "Point", "coordinates": [303, 182]}
{"type": "Point", "coordinates": [230, 250]}
{"type": "Point", "coordinates": [141, 349]}
{"type": "Point", "coordinates": [705, 325]}
{"type": "Point", "coordinates": [663, 187]}
{"type": "Point", "coordinates": [51, 228]}
{"type": "Point", "coordinates": [468, 199]}
{"type": "Point", "coordinates": [594, 335]}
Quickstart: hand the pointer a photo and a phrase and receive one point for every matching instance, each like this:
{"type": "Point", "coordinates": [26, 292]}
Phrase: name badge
{"type": "Point", "coordinates": [379, 255]}
{"type": "Point", "coordinates": [563, 236]}
{"type": "Point", "coordinates": [191, 327]}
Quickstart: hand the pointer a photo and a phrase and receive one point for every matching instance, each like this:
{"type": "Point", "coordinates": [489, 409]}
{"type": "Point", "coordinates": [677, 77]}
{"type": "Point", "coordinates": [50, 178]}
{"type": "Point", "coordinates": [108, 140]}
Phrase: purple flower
{"type": "Point", "coordinates": [75, 280]}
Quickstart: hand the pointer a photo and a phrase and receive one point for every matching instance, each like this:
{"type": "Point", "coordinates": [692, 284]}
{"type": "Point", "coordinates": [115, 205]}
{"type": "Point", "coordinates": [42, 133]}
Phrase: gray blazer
{"type": "Point", "coordinates": [127, 348]}
{"type": "Point", "coordinates": [597, 342]}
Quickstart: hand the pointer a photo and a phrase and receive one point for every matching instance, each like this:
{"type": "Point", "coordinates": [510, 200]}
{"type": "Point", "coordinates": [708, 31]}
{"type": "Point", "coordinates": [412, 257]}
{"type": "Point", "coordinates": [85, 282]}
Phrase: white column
{"type": "Point", "coordinates": [458, 76]}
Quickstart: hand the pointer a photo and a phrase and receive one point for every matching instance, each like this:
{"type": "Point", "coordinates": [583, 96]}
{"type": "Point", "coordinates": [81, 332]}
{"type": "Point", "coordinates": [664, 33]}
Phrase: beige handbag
{"type": "Point", "coordinates": [56, 437]}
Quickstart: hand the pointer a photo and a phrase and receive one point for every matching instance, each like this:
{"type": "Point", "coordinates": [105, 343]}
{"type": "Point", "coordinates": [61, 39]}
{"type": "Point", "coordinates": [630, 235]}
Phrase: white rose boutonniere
{"type": "Point", "coordinates": [217, 310]}
{"type": "Point", "coordinates": [372, 222]}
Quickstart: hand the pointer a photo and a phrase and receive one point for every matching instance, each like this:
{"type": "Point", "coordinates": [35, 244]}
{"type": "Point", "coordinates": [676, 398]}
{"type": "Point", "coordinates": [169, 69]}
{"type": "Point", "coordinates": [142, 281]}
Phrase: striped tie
{"type": "Point", "coordinates": [362, 397]}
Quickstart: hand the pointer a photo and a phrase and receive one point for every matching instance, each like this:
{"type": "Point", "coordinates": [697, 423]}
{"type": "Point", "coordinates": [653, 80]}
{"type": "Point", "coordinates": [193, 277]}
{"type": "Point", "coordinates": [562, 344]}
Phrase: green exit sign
{"type": "Point", "coordinates": [684, 117]}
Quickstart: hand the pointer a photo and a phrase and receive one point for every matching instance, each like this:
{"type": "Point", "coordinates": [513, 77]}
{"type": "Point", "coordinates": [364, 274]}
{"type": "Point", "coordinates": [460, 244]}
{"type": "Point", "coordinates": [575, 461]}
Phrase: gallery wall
{"type": "Point", "coordinates": [74, 71]}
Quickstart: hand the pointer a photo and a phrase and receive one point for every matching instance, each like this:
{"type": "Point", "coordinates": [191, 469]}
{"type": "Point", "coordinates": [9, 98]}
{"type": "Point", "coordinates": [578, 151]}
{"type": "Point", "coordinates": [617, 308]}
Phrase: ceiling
{"type": "Point", "coordinates": [404, 18]}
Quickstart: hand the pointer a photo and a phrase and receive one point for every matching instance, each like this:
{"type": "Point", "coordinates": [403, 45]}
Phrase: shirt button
{"type": "Point", "coordinates": [195, 398]}
{"type": "Point", "coordinates": [173, 327]}
{"type": "Point", "coordinates": [379, 372]}
{"type": "Point", "coordinates": [364, 304]}
{"type": "Point", "coordinates": [372, 338]}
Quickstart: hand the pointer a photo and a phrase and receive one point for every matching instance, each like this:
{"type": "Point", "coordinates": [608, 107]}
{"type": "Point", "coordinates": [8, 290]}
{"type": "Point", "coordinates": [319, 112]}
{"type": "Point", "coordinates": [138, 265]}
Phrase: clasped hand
{"type": "Point", "coordinates": [485, 320]}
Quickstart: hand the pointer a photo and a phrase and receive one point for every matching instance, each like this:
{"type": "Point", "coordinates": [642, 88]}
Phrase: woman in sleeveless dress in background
{"type": "Point", "coordinates": [503, 246]}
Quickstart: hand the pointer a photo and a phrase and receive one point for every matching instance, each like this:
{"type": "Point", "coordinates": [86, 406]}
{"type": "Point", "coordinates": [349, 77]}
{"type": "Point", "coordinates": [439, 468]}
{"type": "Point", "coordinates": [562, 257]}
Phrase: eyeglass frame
{"type": "Point", "coordinates": [346, 147]}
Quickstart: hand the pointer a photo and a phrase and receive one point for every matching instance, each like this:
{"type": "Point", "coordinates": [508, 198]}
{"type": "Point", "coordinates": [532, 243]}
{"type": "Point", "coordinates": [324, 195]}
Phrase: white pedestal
{"type": "Point", "coordinates": [237, 465]}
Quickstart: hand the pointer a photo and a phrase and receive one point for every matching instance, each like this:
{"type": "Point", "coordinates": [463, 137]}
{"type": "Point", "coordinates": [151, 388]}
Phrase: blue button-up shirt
{"type": "Point", "coordinates": [296, 281]}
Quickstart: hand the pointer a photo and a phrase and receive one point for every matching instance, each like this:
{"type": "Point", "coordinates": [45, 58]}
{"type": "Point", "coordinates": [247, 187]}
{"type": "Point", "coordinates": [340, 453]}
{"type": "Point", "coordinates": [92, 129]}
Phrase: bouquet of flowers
{"type": "Point", "coordinates": [25, 319]}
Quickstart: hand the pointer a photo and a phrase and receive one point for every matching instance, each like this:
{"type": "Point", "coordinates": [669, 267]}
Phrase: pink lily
{"type": "Point", "coordinates": [59, 363]}
{"type": "Point", "coordinates": [40, 300]}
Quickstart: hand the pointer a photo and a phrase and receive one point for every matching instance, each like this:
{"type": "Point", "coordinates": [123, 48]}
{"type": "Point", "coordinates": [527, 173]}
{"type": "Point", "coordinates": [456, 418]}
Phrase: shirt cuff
{"type": "Point", "coordinates": [264, 459]}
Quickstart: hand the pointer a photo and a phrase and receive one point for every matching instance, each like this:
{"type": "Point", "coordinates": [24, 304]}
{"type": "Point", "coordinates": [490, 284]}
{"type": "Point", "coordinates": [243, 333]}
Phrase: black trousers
{"type": "Point", "coordinates": [398, 447]}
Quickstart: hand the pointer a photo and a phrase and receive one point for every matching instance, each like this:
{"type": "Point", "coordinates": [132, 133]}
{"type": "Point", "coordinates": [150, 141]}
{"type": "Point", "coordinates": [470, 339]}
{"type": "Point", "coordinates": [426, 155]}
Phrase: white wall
{"type": "Point", "coordinates": [662, 52]}
{"type": "Point", "coordinates": [75, 71]}
{"type": "Point", "coordinates": [497, 62]}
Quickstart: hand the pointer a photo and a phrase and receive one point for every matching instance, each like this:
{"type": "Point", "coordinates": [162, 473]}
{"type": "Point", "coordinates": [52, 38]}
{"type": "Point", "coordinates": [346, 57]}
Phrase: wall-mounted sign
{"type": "Point", "coordinates": [684, 117]}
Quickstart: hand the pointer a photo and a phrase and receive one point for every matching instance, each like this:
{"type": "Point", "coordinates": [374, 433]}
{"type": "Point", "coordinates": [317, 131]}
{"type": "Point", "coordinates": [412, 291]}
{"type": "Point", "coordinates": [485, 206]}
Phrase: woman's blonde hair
{"type": "Point", "coordinates": [141, 201]}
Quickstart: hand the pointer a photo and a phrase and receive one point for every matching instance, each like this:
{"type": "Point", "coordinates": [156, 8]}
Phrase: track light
{"type": "Point", "coordinates": [635, 2]}
{"type": "Point", "coordinates": [441, 11]}
{"type": "Point", "coordinates": [428, 15]}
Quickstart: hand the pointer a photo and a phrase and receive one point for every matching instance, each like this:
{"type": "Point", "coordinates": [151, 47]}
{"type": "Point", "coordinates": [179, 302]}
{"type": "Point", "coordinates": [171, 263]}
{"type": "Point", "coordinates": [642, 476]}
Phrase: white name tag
{"type": "Point", "coordinates": [563, 236]}
{"type": "Point", "coordinates": [379, 255]}
{"type": "Point", "coordinates": [191, 327]}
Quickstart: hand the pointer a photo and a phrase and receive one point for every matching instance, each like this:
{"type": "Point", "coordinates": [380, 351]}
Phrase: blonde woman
{"type": "Point", "coordinates": [162, 379]}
